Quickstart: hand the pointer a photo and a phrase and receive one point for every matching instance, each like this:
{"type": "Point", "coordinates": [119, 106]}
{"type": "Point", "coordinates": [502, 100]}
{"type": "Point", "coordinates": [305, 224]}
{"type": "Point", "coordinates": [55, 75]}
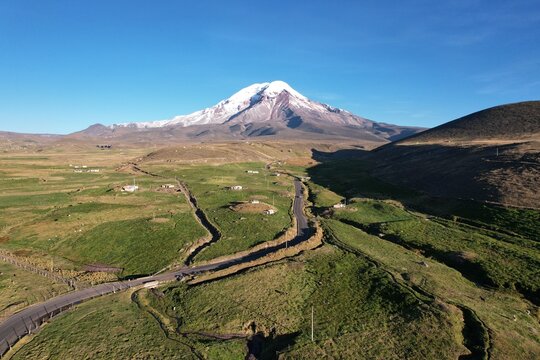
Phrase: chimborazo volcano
{"type": "Point", "coordinates": [271, 109]}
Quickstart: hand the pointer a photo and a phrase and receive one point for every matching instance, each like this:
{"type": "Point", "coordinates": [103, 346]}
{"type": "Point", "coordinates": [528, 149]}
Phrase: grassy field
{"type": "Point", "coordinates": [503, 262]}
{"type": "Point", "coordinates": [84, 218]}
{"type": "Point", "coordinates": [111, 327]}
{"type": "Point", "coordinates": [240, 230]}
{"type": "Point", "coordinates": [475, 256]}
{"type": "Point", "coordinates": [512, 321]}
{"type": "Point", "coordinates": [351, 178]}
{"type": "Point", "coordinates": [360, 312]}
{"type": "Point", "coordinates": [19, 289]}
{"type": "Point", "coordinates": [401, 275]}
{"type": "Point", "coordinates": [323, 197]}
{"type": "Point", "coordinates": [356, 306]}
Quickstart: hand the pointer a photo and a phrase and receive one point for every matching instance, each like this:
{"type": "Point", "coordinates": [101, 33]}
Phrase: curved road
{"type": "Point", "coordinates": [28, 320]}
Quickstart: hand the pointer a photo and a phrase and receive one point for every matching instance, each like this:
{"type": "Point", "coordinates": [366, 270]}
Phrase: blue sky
{"type": "Point", "coordinates": [65, 65]}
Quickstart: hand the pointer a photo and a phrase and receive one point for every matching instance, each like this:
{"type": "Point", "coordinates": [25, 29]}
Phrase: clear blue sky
{"type": "Point", "coordinates": [65, 65]}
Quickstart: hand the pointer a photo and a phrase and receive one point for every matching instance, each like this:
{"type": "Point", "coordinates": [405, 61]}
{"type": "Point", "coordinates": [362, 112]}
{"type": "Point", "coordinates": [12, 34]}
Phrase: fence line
{"type": "Point", "coordinates": [28, 267]}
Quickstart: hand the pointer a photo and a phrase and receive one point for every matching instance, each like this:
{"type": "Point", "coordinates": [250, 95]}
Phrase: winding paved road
{"type": "Point", "coordinates": [29, 319]}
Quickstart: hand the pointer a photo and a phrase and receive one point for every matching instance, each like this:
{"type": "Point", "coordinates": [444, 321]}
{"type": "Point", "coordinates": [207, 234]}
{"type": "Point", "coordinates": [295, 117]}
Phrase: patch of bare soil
{"type": "Point", "coordinates": [167, 190]}
{"type": "Point", "coordinates": [4, 239]}
{"type": "Point", "coordinates": [247, 207]}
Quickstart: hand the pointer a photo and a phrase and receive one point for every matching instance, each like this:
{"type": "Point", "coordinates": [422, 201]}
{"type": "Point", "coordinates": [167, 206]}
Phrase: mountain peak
{"type": "Point", "coordinates": [276, 87]}
{"type": "Point", "coordinates": [268, 108]}
{"type": "Point", "coordinates": [255, 91]}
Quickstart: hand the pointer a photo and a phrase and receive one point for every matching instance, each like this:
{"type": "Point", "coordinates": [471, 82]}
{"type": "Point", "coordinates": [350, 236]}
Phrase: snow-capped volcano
{"type": "Point", "coordinates": [257, 94]}
{"type": "Point", "coordinates": [270, 108]}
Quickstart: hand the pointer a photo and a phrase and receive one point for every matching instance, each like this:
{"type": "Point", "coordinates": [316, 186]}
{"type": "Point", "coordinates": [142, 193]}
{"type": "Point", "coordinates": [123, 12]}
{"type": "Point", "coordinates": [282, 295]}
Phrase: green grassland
{"type": "Point", "coordinates": [322, 197]}
{"type": "Point", "coordinates": [82, 218]}
{"type": "Point", "coordinates": [240, 231]}
{"type": "Point", "coordinates": [480, 256]}
{"type": "Point", "coordinates": [111, 327]}
{"type": "Point", "coordinates": [401, 275]}
{"type": "Point", "coordinates": [511, 320]}
{"type": "Point", "coordinates": [20, 288]}
{"type": "Point", "coordinates": [360, 312]}
{"type": "Point", "coordinates": [491, 259]}
{"type": "Point", "coordinates": [521, 222]}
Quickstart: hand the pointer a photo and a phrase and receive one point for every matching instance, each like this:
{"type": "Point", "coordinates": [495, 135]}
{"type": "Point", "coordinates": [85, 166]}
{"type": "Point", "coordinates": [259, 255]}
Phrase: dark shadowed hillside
{"type": "Point", "coordinates": [492, 155]}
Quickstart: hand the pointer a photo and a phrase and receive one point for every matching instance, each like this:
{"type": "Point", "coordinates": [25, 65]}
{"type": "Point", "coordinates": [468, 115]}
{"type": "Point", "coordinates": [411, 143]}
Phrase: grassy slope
{"type": "Point", "coordinates": [510, 339]}
{"type": "Point", "coordinates": [140, 246]}
{"type": "Point", "coordinates": [240, 231]}
{"type": "Point", "coordinates": [19, 288]}
{"type": "Point", "coordinates": [111, 327]}
{"type": "Point", "coordinates": [359, 311]}
{"type": "Point", "coordinates": [509, 121]}
{"type": "Point", "coordinates": [351, 179]}
{"type": "Point", "coordinates": [322, 197]}
{"type": "Point", "coordinates": [505, 263]}
{"type": "Point", "coordinates": [477, 252]}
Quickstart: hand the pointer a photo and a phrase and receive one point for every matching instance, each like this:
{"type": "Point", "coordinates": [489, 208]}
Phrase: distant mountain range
{"type": "Point", "coordinates": [268, 109]}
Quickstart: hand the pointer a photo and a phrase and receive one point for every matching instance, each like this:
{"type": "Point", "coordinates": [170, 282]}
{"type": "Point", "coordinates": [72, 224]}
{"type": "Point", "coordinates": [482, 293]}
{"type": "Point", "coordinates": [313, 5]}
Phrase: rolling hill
{"type": "Point", "coordinates": [491, 156]}
{"type": "Point", "coordinates": [512, 122]}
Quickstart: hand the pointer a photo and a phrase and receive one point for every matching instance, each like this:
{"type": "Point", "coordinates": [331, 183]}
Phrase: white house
{"type": "Point", "coordinates": [252, 171]}
{"type": "Point", "coordinates": [254, 201]}
{"type": "Point", "coordinates": [167, 186]}
{"type": "Point", "coordinates": [339, 205]}
{"type": "Point", "coordinates": [236, 187]}
{"type": "Point", "coordinates": [269, 212]}
{"type": "Point", "coordinates": [130, 188]}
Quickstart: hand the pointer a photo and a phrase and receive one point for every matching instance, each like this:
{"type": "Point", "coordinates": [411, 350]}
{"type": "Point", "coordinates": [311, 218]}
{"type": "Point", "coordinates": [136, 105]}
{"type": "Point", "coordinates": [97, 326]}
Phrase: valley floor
{"type": "Point", "coordinates": [399, 275]}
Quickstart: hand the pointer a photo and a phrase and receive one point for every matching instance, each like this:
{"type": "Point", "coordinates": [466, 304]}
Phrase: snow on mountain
{"type": "Point", "coordinates": [240, 102]}
{"type": "Point", "coordinates": [266, 109]}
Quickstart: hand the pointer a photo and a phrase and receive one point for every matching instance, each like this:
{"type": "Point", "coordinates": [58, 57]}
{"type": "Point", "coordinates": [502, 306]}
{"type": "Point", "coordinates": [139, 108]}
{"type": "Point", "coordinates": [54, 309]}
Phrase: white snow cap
{"type": "Point", "coordinates": [277, 87]}
{"type": "Point", "coordinates": [270, 89]}
{"type": "Point", "coordinates": [223, 110]}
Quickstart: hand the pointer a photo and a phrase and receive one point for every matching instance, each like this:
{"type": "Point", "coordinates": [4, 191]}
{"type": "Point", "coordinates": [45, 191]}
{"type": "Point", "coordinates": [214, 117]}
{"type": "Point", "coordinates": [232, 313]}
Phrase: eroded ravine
{"type": "Point", "coordinates": [213, 233]}
{"type": "Point", "coordinates": [201, 217]}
